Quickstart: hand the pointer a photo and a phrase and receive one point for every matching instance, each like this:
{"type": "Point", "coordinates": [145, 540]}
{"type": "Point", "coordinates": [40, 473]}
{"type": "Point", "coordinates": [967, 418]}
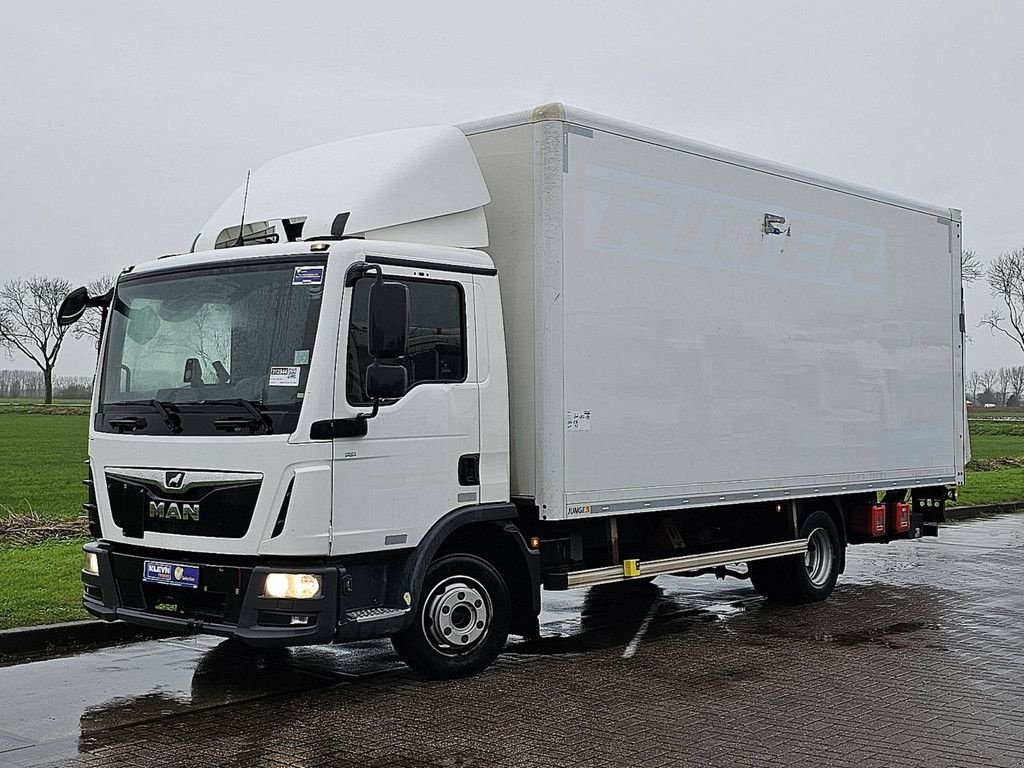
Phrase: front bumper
{"type": "Point", "coordinates": [228, 600]}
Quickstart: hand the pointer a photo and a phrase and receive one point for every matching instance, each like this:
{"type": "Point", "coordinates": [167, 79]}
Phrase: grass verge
{"type": "Point", "coordinates": [996, 472]}
{"type": "Point", "coordinates": [41, 584]}
{"type": "Point", "coordinates": [995, 487]}
{"type": "Point", "coordinates": [41, 467]}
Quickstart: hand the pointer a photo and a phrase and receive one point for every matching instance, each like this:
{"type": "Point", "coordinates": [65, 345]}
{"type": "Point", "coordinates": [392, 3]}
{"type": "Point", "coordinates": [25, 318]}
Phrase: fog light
{"type": "Point", "coordinates": [92, 564]}
{"type": "Point", "coordinates": [295, 586]}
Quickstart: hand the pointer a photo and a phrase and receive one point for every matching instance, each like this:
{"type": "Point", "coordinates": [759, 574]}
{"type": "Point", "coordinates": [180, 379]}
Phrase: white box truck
{"type": "Point", "coordinates": [402, 382]}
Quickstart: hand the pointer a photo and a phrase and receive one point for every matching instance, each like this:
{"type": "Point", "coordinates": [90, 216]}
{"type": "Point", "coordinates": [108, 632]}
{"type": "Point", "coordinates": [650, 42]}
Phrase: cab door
{"type": "Point", "coordinates": [393, 483]}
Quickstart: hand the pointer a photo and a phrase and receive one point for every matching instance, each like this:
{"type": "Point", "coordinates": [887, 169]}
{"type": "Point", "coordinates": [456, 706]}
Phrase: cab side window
{"type": "Point", "coordinates": [437, 338]}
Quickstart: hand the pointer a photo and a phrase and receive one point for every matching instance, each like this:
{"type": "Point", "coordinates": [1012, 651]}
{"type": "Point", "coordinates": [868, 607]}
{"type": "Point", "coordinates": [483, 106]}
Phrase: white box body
{"type": "Point", "coordinates": [666, 352]}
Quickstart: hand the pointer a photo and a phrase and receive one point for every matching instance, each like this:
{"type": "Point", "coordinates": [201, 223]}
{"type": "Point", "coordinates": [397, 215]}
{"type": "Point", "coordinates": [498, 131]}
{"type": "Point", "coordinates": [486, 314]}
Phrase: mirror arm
{"type": "Point", "coordinates": [372, 414]}
{"type": "Point", "coordinates": [102, 301]}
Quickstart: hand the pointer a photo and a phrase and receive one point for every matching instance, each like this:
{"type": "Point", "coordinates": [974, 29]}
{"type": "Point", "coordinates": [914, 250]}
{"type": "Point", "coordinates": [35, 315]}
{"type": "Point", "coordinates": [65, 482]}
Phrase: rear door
{"type": "Point", "coordinates": [393, 484]}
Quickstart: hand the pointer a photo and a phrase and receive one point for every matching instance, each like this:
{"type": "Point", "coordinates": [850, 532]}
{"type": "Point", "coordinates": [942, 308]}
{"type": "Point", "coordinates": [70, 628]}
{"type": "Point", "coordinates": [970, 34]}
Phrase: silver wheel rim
{"type": "Point", "coordinates": [457, 615]}
{"type": "Point", "coordinates": [818, 559]}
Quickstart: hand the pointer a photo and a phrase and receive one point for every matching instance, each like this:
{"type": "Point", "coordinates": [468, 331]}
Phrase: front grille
{"type": "Point", "coordinates": [219, 511]}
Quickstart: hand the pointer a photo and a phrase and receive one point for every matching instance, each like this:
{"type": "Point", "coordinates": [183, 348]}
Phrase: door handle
{"type": "Point", "coordinates": [469, 469]}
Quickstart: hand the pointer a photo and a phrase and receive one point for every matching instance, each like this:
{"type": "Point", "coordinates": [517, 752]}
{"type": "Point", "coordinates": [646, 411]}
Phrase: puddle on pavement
{"type": "Point", "coordinates": [887, 636]}
{"type": "Point", "coordinates": [75, 696]}
{"type": "Point", "coordinates": [608, 616]}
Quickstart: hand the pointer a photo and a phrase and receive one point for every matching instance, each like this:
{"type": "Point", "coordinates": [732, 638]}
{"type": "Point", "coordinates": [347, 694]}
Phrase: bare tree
{"type": "Point", "coordinates": [1003, 377]}
{"type": "Point", "coordinates": [1017, 384]}
{"type": "Point", "coordinates": [971, 269]}
{"type": "Point", "coordinates": [28, 322]}
{"type": "Point", "coordinates": [988, 379]}
{"type": "Point", "coordinates": [974, 384]}
{"type": "Point", "coordinates": [1006, 279]}
{"type": "Point", "coordinates": [89, 325]}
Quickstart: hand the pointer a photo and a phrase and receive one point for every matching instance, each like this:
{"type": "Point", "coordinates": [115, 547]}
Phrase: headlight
{"type": "Point", "coordinates": [295, 586]}
{"type": "Point", "coordinates": [92, 564]}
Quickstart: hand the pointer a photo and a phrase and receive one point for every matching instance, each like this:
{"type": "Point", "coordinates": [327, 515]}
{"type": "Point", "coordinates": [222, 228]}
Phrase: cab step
{"type": "Point", "coordinates": [383, 613]}
{"type": "Point", "coordinates": [637, 569]}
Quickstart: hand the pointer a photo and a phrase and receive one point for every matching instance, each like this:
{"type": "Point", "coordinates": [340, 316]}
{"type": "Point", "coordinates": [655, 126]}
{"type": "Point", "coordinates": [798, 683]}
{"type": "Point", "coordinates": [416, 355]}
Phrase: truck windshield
{"type": "Point", "coordinates": [236, 338]}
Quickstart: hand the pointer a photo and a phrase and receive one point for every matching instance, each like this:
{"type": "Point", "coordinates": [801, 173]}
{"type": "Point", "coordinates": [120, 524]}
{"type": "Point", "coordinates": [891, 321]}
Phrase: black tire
{"type": "Point", "coordinates": [445, 640]}
{"type": "Point", "coordinates": [802, 579]}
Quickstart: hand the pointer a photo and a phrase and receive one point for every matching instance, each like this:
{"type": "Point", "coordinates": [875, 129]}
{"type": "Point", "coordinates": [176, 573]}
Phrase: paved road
{"type": "Point", "coordinates": [916, 660]}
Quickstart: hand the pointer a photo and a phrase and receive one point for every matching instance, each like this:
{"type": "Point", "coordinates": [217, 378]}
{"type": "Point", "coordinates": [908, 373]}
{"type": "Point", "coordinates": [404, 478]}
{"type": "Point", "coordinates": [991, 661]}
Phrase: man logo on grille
{"type": "Point", "coordinates": [174, 479]}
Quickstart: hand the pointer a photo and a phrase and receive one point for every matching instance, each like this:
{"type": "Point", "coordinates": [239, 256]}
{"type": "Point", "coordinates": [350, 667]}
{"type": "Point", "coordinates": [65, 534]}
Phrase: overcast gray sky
{"type": "Point", "coordinates": [124, 125]}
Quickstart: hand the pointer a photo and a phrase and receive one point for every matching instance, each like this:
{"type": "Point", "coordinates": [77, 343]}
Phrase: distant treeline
{"type": "Point", "coordinates": [31, 384]}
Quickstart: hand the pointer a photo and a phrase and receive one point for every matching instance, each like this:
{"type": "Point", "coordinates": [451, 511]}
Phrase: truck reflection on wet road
{"type": "Point", "coordinates": [915, 660]}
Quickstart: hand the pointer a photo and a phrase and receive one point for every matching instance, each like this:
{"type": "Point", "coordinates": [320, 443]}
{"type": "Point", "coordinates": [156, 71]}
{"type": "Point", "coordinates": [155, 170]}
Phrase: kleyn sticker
{"type": "Point", "coordinates": [577, 421]}
{"type": "Point", "coordinates": [308, 276]}
{"type": "Point", "coordinates": [284, 376]}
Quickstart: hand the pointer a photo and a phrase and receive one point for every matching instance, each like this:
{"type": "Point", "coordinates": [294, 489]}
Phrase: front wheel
{"type": "Point", "coordinates": [807, 578]}
{"type": "Point", "coordinates": [462, 619]}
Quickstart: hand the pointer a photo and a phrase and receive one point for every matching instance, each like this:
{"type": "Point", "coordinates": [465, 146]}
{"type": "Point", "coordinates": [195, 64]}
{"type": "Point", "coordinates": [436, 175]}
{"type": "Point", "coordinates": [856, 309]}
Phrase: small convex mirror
{"type": "Point", "coordinates": [388, 332]}
{"type": "Point", "coordinates": [386, 382]}
{"type": "Point", "coordinates": [73, 307]}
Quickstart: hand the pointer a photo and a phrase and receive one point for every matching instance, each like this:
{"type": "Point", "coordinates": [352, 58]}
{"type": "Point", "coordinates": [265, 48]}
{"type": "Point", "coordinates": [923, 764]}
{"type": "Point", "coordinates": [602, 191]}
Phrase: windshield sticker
{"type": "Point", "coordinates": [308, 276]}
{"type": "Point", "coordinates": [301, 357]}
{"type": "Point", "coordinates": [284, 376]}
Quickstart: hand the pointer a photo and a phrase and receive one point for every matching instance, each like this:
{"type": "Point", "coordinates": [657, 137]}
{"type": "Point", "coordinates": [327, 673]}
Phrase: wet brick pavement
{"type": "Point", "coordinates": [916, 660]}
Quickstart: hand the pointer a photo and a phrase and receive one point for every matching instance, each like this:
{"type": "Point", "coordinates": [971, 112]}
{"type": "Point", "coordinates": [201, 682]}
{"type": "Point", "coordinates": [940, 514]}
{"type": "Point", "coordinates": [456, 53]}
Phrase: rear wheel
{"type": "Point", "coordinates": [806, 578]}
{"type": "Point", "coordinates": [461, 622]}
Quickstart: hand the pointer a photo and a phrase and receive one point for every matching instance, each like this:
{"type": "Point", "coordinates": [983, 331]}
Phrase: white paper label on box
{"type": "Point", "coordinates": [284, 376]}
{"type": "Point", "coordinates": [577, 421]}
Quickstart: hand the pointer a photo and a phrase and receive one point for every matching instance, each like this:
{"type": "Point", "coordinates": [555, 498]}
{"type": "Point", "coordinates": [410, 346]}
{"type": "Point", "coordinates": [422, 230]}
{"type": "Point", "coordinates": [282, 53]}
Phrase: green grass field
{"type": "Point", "coordinates": [41, 454]}
{"type": "Point", "coordinates": [41, 457]}
{"type": "Point", "coordinates": [41, 471]}
{"type": "Point", "coordinates": [991, 477]}
{"type": "Point", "coordinates": [41, 584]}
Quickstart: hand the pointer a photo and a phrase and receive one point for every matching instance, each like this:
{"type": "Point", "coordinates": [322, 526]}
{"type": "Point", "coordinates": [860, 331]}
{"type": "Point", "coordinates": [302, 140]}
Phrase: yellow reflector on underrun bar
{"type": "Point", "coordinates": [630, 568]}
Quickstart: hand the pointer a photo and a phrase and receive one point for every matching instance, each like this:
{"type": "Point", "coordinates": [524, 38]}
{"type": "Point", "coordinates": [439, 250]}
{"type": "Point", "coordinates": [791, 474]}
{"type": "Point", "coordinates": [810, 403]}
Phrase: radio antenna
{"type": "Point", "coordinates": [241, 224]}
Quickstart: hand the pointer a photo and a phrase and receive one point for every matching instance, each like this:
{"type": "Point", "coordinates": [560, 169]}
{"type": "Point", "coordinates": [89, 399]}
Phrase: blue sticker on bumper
{"type": "Point", "coordinates": [174, 574]}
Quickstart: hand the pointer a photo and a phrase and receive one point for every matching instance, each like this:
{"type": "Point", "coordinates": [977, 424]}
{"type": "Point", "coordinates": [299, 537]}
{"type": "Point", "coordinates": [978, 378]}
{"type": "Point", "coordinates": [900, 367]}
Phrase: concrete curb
{"type": "Point", "coordinates": [70, 634]}
{"type": "Point", "coordinates": [964, 513]}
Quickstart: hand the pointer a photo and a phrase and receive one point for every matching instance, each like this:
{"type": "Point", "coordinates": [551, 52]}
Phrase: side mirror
{"type": "Point", "coordinates": [386, 382]}
{"type": "Point", "coordinates": [388, 332]}
{"type": "Point", "coordinates": [73, 307]}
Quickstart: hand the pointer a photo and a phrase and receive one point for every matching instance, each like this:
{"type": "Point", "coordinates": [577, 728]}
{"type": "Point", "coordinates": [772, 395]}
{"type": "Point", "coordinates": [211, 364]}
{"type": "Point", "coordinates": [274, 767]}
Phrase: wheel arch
{"type": "Point", "coordinates": [488, 531]}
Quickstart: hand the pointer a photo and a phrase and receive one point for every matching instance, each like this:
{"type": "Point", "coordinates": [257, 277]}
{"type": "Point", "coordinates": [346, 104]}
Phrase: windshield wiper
{"type": "Point", "coordinates": [259, 418]}
{"type": "Point", "coordinates": [172, 420]}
